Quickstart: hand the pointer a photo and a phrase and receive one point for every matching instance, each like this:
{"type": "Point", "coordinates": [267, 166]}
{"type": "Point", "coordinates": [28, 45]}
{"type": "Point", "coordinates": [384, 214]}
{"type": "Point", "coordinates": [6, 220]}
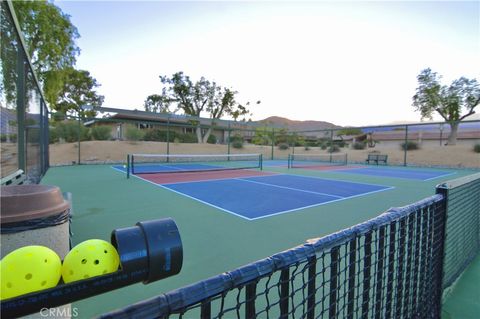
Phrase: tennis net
{"type": "Point", "coordinates": [387, 267]}
{"type": "Point", "coordinates": [315, 160]}
{"type": "Point", "coordinates": [174, 163]}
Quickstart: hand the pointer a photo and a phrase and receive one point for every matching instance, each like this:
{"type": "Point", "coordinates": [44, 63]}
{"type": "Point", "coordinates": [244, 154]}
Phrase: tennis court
{"type": "Point", "coordinates": [268, 195]}
{"type": "Point", "coordinates": [228, 218]}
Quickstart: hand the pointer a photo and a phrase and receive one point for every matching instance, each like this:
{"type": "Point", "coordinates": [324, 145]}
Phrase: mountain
{"type": "Point", "coordinates": [292, 125]}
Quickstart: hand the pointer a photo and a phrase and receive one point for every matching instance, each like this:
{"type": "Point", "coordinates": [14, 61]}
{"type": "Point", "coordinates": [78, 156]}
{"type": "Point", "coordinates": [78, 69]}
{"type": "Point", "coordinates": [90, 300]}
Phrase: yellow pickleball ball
{"type": "Point", "coordinates": [93, 257]}
{"type": "Point", "coordinates": [29, 269]}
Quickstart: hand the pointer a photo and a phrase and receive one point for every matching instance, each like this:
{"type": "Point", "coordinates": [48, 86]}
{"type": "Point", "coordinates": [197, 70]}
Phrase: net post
{"type": "Point", "coordinates": [312, 274]}
{"type": "Point", "coordinates": [261, 162]}
{"type": "Point", "coordinates": [284, 292]}
{"type": "Point", "coordinates": [250, 297]}
{"type": "Point", "coordinates": [128, 165]}
{"type": "Point", "coordinates": [288, 161]}
{"type": "Point", "coordinates": [132, 164]}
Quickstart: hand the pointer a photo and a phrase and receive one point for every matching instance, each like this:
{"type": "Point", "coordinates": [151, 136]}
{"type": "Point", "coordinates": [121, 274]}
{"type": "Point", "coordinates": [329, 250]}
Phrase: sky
{"type": "Point", "coordinates": [348, 63]}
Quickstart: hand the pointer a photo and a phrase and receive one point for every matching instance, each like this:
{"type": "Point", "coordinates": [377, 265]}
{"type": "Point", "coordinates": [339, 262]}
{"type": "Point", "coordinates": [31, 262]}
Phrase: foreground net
{"type": "Point", "coordinates": [171, 163]}
{"type": "Point", "coordinates": [316, 160]}
{"type": "Point", "coordinates": [391, 266]}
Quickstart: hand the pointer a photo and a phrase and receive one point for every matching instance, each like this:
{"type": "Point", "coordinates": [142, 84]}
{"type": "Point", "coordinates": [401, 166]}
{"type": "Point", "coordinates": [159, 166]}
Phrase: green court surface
{"type": "Point", "coordinates": [213, 240]}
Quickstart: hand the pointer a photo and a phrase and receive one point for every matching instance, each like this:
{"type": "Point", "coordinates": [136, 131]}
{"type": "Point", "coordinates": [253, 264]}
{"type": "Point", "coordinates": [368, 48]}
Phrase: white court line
{"type": "Point", "coordinates": [290, 188]}
{"type": "Point", "coordinates": [327, 179]}
{"type": "Point", "coordinates": [448, 174]}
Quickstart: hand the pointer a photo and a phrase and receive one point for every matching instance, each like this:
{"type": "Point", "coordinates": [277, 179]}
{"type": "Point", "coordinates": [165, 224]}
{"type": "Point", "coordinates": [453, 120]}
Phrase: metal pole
{"type": "Point", "coordinates": [331, 145]}
{"type": "Point", "coordinates": [21, 102]}
{"type": "Point", "coordinates": [273, 141]}
{"type": "Point", "coordinates": [168, 137]}
{"type": "Point", "coordinates": [228, 141]}
{"type": "Point", "coordinates": [441, 134]}
{"type": "Point", "coordinates": [405, 146]}
{"type": "Point", "coordinates": [294, 139]}
{"type": "Point", "coordinates": [79, 137]}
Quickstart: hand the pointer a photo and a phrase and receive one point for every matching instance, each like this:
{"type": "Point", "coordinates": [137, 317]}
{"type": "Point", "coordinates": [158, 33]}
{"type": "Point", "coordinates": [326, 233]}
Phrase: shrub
{"type": "Point", "coordinates": [283, 146]}
{"type": "Point", "coordinates": [409, 145]}
{"type": "Point", "coordinates": [236, 141]}
{"type": "Point", "coordinates": [188, 138]}
{"type": "Point", "coordinates": [358, 146]}
{"type": "Point", "coordinates": [323, 146]}
{"type": "Point", "coordinates": [156, 135]}
{"type": "Point", "coordinates": [476, 148]}
{"type": "Point", "coordinates": [101, 133]}
{"type": "Point", "coordinates": [212, 139]}
{"type": "Point", "coordinates": [334, 149]}
{"type": "Point", "coordinates": [307, 148]}
{"type": "Point", "coordinates": [52, 135]}
{"type": "Point", "coordinates": [134, 134]}
{"type": "Point", "coordinates": [69, 131]}
{"type": "Point", "coordinates": [341, 144]}
{"type": "Point", "coordinates": [33, 136]}
{"type": "Point", "coordinates": [12, 138]}
{"type": "Point", "coordinates": [237, 144]}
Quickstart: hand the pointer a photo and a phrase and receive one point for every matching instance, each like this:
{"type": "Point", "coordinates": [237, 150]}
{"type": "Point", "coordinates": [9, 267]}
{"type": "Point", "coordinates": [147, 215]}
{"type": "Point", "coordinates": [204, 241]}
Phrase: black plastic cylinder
{"type": "Point", "coordinates": [154, 245]}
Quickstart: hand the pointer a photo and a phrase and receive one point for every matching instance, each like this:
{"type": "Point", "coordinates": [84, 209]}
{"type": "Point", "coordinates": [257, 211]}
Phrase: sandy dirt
{"type": "Point", "coordinates": [116, 152]}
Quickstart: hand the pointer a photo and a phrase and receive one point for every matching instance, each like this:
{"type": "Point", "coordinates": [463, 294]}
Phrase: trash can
{"type": "Point", "coordinates": [35, 215]}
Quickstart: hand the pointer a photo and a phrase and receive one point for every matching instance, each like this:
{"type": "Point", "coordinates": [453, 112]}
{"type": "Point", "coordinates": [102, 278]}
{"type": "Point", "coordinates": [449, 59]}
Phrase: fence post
{"type": "Point", "coordinates": [228, 140]}
{"type": "Point", "coordinates": [168, 137]}
{"type": "Point", "coordinates": [405, 146]}
{"type": "Point", "coordinates": [79, 137]}
{"type": "Point", "coordinates": [273, 141]}
{"type": "Point", "coordinates": [331, 145]}
{"type": "Point", "coordinates": [21, 101]}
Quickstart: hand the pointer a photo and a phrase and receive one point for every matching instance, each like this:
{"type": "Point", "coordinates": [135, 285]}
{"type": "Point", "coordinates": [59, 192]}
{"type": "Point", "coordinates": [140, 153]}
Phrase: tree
{"type": "Point", "coordinates": [50, 39]}
{"type": "Point", "coordinates": [50, 43]}
{"type": "Point", "coordinates": [78, 88]}
{"type": "Point", "coordinates": [155, 103]}
{"type": "Point", "coordinates": [197, 98]}
{"type": "Point", "coordinates": [453, 103]}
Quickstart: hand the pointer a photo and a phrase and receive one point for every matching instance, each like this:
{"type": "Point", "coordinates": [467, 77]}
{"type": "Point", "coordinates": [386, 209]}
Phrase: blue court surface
{"type": "Point", "coordinates": [416, 174]}
{"type": "Point", "coordinates": [261, 196]}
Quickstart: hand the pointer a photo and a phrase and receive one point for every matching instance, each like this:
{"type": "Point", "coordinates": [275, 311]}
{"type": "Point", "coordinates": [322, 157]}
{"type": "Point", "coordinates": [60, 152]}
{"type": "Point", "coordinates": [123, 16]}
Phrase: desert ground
{"type": "Point", "coordinates": [458, 156]}
{"type": "Point", "coordinates": [94, 152]}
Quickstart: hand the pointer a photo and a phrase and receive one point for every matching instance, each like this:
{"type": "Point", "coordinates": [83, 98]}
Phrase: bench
{"type": "Point", "coordinates": [17, 178]}
{"type": "Point", "coordinates": [376, 158]}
